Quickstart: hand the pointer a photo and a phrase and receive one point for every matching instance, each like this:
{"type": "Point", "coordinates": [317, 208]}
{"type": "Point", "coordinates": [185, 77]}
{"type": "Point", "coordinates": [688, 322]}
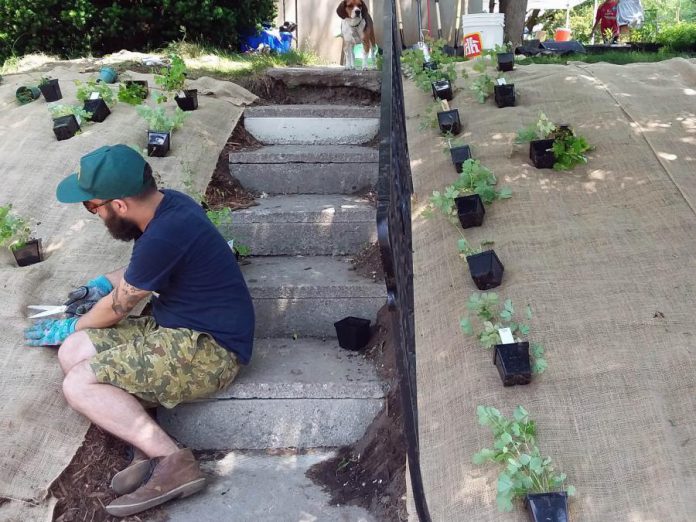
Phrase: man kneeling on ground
{"type": "Point", "coordinates": [201, 330]}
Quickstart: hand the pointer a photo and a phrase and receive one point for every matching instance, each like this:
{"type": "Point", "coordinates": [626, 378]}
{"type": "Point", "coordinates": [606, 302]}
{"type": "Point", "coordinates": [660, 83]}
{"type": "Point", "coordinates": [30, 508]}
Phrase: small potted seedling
{"type": "Point", "coordinates": [553, 146]}
{"type": "Point", "coordinates": [458, 150]}
{"type": "Point", "coordinates": [97, 99]}
{"type": "Point", "coordinates": [160, 127]}
{"type": "Point", "coordinates": [67, 120]}
{"type": "Point", "coordinates": [506, 61]}
{"type": "Point", "coordinates": [504, 93]}
{"type": "Point", "coordinates": [107, 75]}
{"type": "Point", "coordinates": [171, 79]}
{"type": "Point", "coordinates": [475, 184]}
{"type": "Point", "coordinates": [26, 94]}
{"type": "Point", "coordinates": [525, 473]}
{"type": "Point", "coordinates": [448, 119]}
{"type": "Point", "coordinates": [16, 235]}
{"type": "Point", "coordinates": [50, 89]}
{"type": "Point", "coordinates": [222, 219]}
{"type": "Point", "coordinates": [497, 328]}
{"type": "Point", "coordinates": [442, 89]}
{"type": "Point", "coordinates": [353, 333]}
{"type": "Point", "coordinates": [483, 87]}
{"type": "Point", "coordinates": [133, 92]}
{"type": "Point", "coordinates": [484, 265]}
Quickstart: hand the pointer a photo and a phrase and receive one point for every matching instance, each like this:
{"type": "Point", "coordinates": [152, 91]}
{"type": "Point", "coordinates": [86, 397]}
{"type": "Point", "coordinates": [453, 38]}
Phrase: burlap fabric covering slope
{"type": "Point", "coordinates": [40, 433]}
{"type": "Point", "coordinates": [605, 255]}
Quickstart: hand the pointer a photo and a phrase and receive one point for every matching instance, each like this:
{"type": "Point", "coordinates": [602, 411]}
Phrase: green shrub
{"type": "Point", "coordinates": [679, 37]}
{"type": "Point", "coordinates": [77, 27]}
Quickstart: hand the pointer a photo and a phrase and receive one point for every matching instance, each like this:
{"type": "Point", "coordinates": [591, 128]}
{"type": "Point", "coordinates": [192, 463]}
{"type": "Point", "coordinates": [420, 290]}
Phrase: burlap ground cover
{"type": "Point", "coordinates": [597, 253]}
{"type": "Point", "coordinates": [40, 433]}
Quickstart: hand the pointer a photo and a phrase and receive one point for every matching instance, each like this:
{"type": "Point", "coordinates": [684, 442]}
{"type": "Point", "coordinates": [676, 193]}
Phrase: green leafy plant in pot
{"type": "Point", "coordinates": [525, 472]}
{"type": "Point", "coordinates": [485, 267]}
{"type": "Point", "coordinates": [50, 89]}
{"type": "Point", "coordinates": [160, 126]}
{"type": "Point", "coordinates": [67, 120]}
{"type": "Point", "coordinates": [487, 316]}
{"type": "Point", "coordinates": [553, 146]}
{"type": "Point", "coordinates": [171, 79]}
{"type": "Point", "coordinates": [133, 92]}
{"type": "Point", "coordinates": [26, 94]}
{"type": "Point", "coordinates": [16, 235]}
{"type": "Point", "coordinates": [222, 219]}
{"type": "Point", "coordinates": [97, 99]}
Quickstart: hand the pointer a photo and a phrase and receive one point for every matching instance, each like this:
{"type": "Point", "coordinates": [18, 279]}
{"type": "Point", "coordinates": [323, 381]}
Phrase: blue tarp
{"type": "Point", "coordinates": [273, 39]}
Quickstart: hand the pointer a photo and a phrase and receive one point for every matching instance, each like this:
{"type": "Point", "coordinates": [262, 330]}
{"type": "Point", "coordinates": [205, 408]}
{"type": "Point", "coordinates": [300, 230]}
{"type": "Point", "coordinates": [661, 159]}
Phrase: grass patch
{"type": "Point", "coordinates": [615, 57]}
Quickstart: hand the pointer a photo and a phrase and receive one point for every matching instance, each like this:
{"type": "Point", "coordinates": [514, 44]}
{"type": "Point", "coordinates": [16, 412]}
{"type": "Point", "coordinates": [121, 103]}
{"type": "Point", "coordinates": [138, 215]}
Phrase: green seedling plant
{"type": "Point", "coordinates": [429, 119]}
{"type": "Point", "coordinates": [14, 230]}
{"type": "Point", "coordinates": [412, 64]}
{"type": "Point", "coordinates": [451, 141]}
{"type": "Point", "coordinates": [540, 130]}
{"type": "Point", "coordinates": [568, 148]}
{"type": "Point", "coordinates": [132, 94]}
{"type": "Point", "coordinates": [487, 315]}
{"type": "Point", "coordinates": [85, 90]}
{"type": "Point", "coordinates": [222, 218]}
{"type": "Point", "coordinates": [159, 121]}
{"type": "Point", "coordinates": [482, 87]}
{"type": "Point", "coordinates": [473, 179]}
{"type": "Point", "coordinates": [171, 79]}
{"type": "Point", "coordinates": [44, 80]}
{"type": "Point", "coordinates": [466, 250]}
{"type": "Point", "coordinates": [60, 110]}
{"type": "Point", "coordinates": [524, 469]}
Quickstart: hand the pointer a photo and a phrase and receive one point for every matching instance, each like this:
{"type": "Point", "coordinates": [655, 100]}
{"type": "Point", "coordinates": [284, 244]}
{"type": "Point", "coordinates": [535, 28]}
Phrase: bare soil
{"type": "Point", "coordinates": [368, 263]}
{"type": "Point", "coordinates": [371, 472]}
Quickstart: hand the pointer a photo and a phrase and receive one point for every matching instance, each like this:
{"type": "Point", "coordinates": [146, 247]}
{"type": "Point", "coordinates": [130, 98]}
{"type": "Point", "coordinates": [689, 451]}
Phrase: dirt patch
{"type": "Point", "coordinates": [371, 472]}
{"type": "Point", "coordinates": [368, 263]}
{"type": "Point", "coordinates": [275, 91]}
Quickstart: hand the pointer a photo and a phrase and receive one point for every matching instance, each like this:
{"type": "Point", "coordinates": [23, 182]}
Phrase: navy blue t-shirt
{"type": "Point", "coordinates": [183, 257]}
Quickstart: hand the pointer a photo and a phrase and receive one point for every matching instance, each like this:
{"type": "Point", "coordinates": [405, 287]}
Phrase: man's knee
{"type": "Point", "coordinates": [76, 381]}
{"type": "Point", "coordinates": [75, 349]}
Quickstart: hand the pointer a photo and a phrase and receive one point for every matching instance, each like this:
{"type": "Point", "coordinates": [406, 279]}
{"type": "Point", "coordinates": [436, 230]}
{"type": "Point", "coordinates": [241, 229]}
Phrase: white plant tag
{"type": "Point", "coordinates": [231, 244]}
{"type": "Point", "coordinates": [94, 96]}
{"type": "Point", "coordinates": [181, 94]}
{"type": "Point", "coordinates": [501, 81]}
{"type": "Point", "coordinates": [506, 336]}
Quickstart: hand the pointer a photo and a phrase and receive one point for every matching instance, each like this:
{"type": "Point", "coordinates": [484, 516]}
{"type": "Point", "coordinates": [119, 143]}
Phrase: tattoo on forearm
{"type": "Point", "coordinates": [123, 302]}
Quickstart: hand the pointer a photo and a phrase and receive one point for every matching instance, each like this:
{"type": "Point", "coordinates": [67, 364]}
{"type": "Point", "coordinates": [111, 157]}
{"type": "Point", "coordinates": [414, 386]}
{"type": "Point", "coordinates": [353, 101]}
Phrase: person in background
{"type": "Point", "coordinates": [606, 19]}
{"type": "Point", "coordinates": [629, 16]}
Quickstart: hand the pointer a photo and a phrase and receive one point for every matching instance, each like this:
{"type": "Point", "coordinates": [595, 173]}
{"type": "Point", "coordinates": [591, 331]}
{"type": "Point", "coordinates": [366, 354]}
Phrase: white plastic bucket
{"type": "Point", "coordinates": [490, 25]}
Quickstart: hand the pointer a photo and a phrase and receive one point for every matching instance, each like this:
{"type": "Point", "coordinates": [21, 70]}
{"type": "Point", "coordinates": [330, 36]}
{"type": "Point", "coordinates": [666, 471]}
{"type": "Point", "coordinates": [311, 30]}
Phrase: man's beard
{"type": "Point", "coordinates": [121, 228]}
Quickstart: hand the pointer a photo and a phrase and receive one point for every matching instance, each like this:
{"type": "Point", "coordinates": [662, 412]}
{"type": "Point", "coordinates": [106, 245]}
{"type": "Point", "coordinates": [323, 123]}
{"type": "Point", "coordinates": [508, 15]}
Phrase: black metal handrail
{"type": "Point", "coordinates": [394, 189]}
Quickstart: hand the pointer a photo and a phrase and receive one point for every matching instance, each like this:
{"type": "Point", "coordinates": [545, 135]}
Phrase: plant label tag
{"type": "Point", "coordinates": [506, 336]}
{"type": "Point", "coordinates": [501, 81]}
{"type": "Point", "coordinates": [231, 244]}
{"type": "Point", "coordinates": [94, 96]}
{"type": "Point", "coordinates": [181, 94]}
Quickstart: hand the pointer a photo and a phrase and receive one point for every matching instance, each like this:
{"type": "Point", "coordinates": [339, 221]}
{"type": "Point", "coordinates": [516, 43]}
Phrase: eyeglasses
{"type": "Point", "coordinates": [92, 207]}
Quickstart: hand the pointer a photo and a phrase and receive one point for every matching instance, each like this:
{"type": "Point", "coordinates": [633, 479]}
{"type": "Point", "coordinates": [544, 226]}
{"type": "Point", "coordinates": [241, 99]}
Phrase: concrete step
{"type": "Point", "coordinates": [251, 487]}
{"type": "Point", "coordinates": [307, 169]}
{"type": "Point", "coordinates": [312, 124]}
{"type": "Point", "coordinates": [304, 394]}
{"type": "Point", "coordinates": [305, 225]}
{"type": "Point", "coordinates": [306, 295]}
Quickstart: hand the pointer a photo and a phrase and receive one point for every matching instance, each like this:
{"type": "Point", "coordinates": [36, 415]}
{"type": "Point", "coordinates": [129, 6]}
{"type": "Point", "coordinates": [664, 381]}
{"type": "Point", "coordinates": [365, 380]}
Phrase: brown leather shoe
{"type": "Point", "coordinates": [175, 476]}
{"type": "Point", "coordinates": [130, 478]}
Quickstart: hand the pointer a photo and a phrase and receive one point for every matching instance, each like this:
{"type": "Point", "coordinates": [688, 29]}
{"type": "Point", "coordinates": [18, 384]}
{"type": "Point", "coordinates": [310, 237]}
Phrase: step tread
{"type": "Point", "coordinates": [283, 154]}
{"type": "Point", "coordinates": [307, 208]}
{"type": "Point", "coordinates": [304, 369]}
{"type": "Point", "coordinates": [298, 277]}
{"type": "Point", "coordinates": [312, 111]}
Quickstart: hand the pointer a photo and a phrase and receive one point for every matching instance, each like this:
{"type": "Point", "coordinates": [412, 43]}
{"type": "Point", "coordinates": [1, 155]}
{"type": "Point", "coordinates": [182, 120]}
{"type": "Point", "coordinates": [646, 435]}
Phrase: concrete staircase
{"type": "Point", "coordinates": [301, 389]}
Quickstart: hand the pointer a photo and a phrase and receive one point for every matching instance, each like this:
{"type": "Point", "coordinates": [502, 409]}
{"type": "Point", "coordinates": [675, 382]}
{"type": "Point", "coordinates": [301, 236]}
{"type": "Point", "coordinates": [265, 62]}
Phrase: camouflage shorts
{"type": "Point", "coordinates": [161, 365]}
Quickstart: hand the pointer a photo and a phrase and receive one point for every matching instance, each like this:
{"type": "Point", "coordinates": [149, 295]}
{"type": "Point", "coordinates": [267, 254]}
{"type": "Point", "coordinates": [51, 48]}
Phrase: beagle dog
{"type": "Point", "coordinates": [356, 27]}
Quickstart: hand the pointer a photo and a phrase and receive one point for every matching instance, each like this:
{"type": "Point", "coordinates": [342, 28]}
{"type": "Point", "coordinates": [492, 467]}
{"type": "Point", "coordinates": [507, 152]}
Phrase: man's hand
{"type": "Point", "coordinates": [49, 332]}
{"type": "Point", "coordinates": [82, 299]}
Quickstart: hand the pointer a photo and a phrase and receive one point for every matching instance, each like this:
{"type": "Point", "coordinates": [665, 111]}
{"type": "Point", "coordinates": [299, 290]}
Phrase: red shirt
{"type": "Point", "coordinates": [606, 15]}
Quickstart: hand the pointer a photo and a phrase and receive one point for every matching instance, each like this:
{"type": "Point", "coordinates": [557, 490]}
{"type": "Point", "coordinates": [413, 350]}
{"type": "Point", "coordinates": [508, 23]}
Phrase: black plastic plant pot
{"type": "Point", "coordinates": [541, 154]}
{"type": "Point", "coordinates": [512, 361]}
{"type": "Point", "coordinates": [98, 108]}
{"type": "Point", "coordinates": [442, 90]}
{"type": "Point", "coordinates": [65, 127]}
{"type": "Point", "coordinates": [460, 155]}
{"type": "Point", "coordinates": [486, 269]}
{"type": "Point", "coordinates": [506, 61]}
{"type": "Point", "coordinates": [188, 102]}
{"type": "Point", "coordinates": [29, 254]}
{"type": "Point", "coordinates": [51, 91]}
{"type": "Point", "coordinates": [547, 507]}
{"type": "Point", "coordinates": [353, 333]}
{"type": "Point", "coordinates": [158, 143]}
{"type": "Point", "coordinates": [27, 94]}
{"type": "Point", "coordinates": [453, 51]}
{"type": "Point", "coordinates": [431, 66]}
{"type": "Point", "coordinates": [449, 121]}
{"type": "Point", "coordinates": [141, 83]}
{"type": "Point", "coordinates": [504, 95]}
{"type": "Point", "coordinates": [470, 210]}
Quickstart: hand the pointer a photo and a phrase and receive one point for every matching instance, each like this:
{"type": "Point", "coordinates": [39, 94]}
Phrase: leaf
{"type": "Point", "coordinates": [525, 459]}
{"type": "Point", "coordinates": [520, 414]}
{"type": "Point", "coordinates": [571, 491]}
{"type": "Point", "coordinates": [466, 326]}
{"type": "Point", "coordinates": [528, 313]}
{"type": "Point", "coordinates": [504, 483]}
{"type": "Point", "coordinates": [483, 456]}
{"type": "Point", "coordinates": [540, 365]}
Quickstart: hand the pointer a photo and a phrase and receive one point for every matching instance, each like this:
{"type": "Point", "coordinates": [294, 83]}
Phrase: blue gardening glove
{"type": "Point", "coordinates": [49, 332]}
{"type": "Point", "coordinates": [82, 299]}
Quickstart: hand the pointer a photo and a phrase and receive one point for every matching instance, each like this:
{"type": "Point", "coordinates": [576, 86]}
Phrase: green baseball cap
{"type": "Point", "coordinates": [109, 172]}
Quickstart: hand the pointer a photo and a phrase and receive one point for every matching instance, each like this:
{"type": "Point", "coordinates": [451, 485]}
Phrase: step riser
{"type": "Point", "coordinates": [306, 239]}
{"type": "Point", "coordinates": [309, 317]}
{"type": "Point", "coordinates": [306, 178]}
{"type": "Point", "coordinates": [312, 131]}
{"type": "Point", "coordinates": [274, 423]}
